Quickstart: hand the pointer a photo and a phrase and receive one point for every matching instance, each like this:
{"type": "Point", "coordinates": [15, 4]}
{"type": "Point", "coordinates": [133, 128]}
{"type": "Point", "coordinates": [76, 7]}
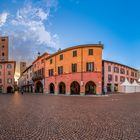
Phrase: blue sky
{"type": "Point", "coordinates": [46, 25]}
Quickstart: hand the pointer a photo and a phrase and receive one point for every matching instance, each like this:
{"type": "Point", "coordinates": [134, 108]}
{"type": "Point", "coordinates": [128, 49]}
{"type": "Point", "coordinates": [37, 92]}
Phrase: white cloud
{"type": "Point", "coordinates": [3, 18]}
{"type": "Point", "coordinates": [32, 19]}
{"type": "Point", "coordinates": [28, 33]}
{"type": "Point", "coordinates": [42, 14]}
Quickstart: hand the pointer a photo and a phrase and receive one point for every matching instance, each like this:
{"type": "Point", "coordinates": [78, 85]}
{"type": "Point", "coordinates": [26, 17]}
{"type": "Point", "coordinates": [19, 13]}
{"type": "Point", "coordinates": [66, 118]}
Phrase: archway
{"type": "Point", "coordinates": [90, 88]}
{"type": "Point", "coordinates": [62, 88]}
{"type": "Point", "coordinates": [0, 89]}
{"type": "Point", "coordinates": [52, 87]}
{"type": "Point", "coordinates": [39, 87]}
{"type": "Point", "coordinates": [9, 89]}
{"type": "Point", "coordinates": [75, 88]}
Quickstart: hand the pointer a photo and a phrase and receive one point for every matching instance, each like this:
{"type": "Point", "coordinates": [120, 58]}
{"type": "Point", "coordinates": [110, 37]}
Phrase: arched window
{"type": "Point", "coordinates": [3, 54]}
{"type": "Point", "coordinates": [9, 66]}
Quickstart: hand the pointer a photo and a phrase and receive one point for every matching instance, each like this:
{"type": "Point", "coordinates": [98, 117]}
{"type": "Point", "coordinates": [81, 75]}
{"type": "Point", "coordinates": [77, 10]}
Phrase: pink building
{"type": "Point", "coordinates": [38, 69]}
{"type": "Point", "coordinates": [7, 71]}
{"type": "Point", "coordinates": [115, 73]}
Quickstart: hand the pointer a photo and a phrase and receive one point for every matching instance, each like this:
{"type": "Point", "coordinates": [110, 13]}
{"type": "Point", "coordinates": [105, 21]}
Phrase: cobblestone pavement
{"type": "Point", "coordinates": [40, 117]}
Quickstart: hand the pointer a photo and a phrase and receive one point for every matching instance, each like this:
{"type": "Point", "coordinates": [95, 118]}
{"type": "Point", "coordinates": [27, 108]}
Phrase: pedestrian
{"type": "Point", "coordinates": [22, 91]}
{"type": "Point", "coordinates": [105, 90]}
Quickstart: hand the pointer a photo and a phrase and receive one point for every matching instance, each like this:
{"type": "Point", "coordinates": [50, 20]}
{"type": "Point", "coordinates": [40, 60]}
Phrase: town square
{"type": "Point", "coordinates": [69, 70]}
{"type": "Point", "coordinates": [41, 117]}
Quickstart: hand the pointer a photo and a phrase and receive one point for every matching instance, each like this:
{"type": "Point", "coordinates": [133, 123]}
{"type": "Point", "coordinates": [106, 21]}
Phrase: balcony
{"type": "Point", "coordinates": [37, 77]}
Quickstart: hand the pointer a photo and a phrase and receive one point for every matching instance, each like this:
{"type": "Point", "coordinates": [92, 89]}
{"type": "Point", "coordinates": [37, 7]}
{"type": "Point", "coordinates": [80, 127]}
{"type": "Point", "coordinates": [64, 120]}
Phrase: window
{"type": "Point", "coordinates": [90, 66]}
{"type": "Point", "coordinates": [0, 66]}
{"type": "Point", "coordinates": [74, 67]}
{"type": "Point", "coordinates": [30, 74]}
{"type": "Point", "coordinates": [116, 69]}
{"type": "Point", "coordinates": [60, 70]}
{"type": "Point", "coordinates": [136, 75]}
{"type": "Point", "coordinates": [9, 72]}
{"type": "Point", "coordinates": [0, 80]}
{"type": "Point", "coordinates": [9, 66]}
{"type": "Point", "coordinates": [122, 71]}
{"type": "Point", "coordinates": [9, 81]}
{"type": "Point", "coordinates": [74, 53]}
{"type": "Point", "coordinates": [3, 54]}
{"type": "Point", "coordinates": [40, 72]}
{"type": "Point", "coordinates": [50, 72]}
{"type": "Point", "coordinates": [61, 57]}
{"type": "Point", "coordinates": [2, 46]}
{"type": "Point", "coordinates": [0, 72]}
{"type": "Point", "coordinates": [109, 77]}
{"type": "Point", "coordinates": [42, 61]}
{"type": "Point", "coordinates": [51, 61]}
{"type": "Point", "coordinates": [122, 79]}
{"type": "Point", "coordinates": [132, 73]}
{"type": "Point", "coordinates": [109, 68]}
{"type": "Point", "coordinates": [127, 72]}
{"type": "Point", "coordinates": [3, 39]}
{"type": "Point", "coordinates": [90, 52]}
{"type": "Point", "coordinates": [116, 78]}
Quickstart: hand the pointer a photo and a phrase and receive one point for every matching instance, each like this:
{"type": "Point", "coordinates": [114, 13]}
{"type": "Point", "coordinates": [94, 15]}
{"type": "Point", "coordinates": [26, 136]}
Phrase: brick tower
{"type": "Point", "coordinates": [3, 48]}
{"type": "Point", "coordinates": [22, 67]}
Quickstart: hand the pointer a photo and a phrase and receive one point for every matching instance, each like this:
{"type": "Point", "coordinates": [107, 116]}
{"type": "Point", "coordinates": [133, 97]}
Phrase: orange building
{"type": "Point", "coordinates": [75, 70]}
{"type": "Point", "coordinates": [38, 73]}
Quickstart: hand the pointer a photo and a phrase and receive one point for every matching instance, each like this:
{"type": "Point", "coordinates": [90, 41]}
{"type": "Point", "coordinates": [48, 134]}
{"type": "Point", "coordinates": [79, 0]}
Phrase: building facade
{"type": "Point", "coordinates": [39, 73]}
{"type": "Point", "coordinates": [3, 48]}
{"type": "Point", "coordinates": [7, 68]}
{"type": "Point", "coordinates": [22, 67]}
{"type": "Point", "coordinates": [7, 71]}
{"type": "Point", "coordinates": [25, 81]}
{"type": "Point", "coordinates": [75, 70]}
{"type": "Point", "coordinates": [114, 74]}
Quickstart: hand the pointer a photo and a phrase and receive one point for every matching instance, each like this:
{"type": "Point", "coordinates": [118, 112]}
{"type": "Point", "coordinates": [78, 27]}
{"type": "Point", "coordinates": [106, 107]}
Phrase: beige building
{"type": "Point", "coordinates": [25, 81]}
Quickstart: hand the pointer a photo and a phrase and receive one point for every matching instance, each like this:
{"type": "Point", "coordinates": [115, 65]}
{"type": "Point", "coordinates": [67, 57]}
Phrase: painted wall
{"type": "Point", "coordinates": [81, 76]}
{"type": "Point", "coordinates": [128, 75]}
{"type": "Point", "coordinates": [4, 75]}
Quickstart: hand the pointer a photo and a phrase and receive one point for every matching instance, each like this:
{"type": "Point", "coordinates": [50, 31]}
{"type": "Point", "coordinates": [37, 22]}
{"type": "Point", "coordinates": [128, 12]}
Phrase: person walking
{"type": "Point", "coordinates": [105, 90]}
{"type": "Point", "coordinates": [22, 91]}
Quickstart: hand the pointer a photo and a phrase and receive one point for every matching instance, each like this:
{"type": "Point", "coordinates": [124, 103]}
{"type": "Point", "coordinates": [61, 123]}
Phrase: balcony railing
{"type": "Point", "coordinates": [37, 77]}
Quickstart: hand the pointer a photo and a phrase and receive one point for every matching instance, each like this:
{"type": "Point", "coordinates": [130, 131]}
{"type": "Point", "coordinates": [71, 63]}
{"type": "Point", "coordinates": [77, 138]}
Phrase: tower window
{"type": "Point", "coordinates": [3, 39]}
{"type": "Point", "coordinates": [3, 54]}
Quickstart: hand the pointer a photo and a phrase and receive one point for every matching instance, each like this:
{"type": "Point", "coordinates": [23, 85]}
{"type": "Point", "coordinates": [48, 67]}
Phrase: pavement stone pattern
{"type": "Point", "coordinates": [41, 117]}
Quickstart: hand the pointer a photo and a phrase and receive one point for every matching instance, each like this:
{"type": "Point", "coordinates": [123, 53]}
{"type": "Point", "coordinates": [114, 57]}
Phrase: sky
{"type": "Point", "coordinates": [46, 25]}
